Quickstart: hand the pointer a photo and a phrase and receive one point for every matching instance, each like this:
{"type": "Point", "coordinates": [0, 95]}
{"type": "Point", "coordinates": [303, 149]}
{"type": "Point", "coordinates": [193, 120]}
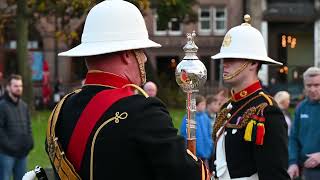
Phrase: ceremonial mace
{"type": "Point", "coordinates": [191, 74]}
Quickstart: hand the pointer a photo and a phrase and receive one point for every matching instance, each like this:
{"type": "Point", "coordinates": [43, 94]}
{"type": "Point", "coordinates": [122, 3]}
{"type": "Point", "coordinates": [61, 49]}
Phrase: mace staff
{"type": "Point", "coordinates": [191, 74]}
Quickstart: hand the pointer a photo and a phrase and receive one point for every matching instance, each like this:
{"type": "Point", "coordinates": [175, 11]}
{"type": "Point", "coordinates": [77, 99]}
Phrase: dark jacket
{"type": "Point", "coordinates": [15, 128]}
{"type": "Point", "coordinates": [244, 158]}
{"type": "Point", "coordinates": [305, 135]}
{"type": "Point", "coordinates": [143, 146]}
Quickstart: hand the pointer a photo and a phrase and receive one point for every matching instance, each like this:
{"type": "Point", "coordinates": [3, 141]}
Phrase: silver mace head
{"type": "Point", "coordinates": [191, 73]}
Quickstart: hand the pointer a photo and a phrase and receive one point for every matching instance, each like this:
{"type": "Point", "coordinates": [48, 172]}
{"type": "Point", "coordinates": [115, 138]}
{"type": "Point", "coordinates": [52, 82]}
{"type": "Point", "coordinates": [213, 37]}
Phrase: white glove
{"type": "Point", "coordinates": [29, 175]}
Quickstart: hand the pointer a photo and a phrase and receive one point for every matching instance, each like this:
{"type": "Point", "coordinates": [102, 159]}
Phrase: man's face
{"type": "Point", "coordinates": [285, 103]}
{"type": "Point", "coordinates": [15, 88]}
{"type": "Point", "coordinates": [151, 91]}
{"type": "Point", "coordinates": [230, 66]}
{"type": "Point", "coordinates": [312, 87]}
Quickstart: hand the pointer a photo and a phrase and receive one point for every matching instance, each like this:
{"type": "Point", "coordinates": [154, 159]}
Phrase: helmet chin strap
{"type": "Point", "coordinates": [237, 72]}
{"type": "Point", "coordinates": [140, 56]}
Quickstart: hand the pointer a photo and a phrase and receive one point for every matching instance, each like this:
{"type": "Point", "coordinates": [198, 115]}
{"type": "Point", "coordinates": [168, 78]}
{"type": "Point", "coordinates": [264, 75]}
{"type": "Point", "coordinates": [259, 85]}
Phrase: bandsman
{"type": "Point", "coordinates": [106, 131]}
{"type": "Point", "coordinates": [250, 130]}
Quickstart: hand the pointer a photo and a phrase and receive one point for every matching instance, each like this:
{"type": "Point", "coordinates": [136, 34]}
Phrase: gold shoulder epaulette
{"type": "Point", "coordinates": [137, 88]}
{"type": "Point", "coordinates": [269, 99]}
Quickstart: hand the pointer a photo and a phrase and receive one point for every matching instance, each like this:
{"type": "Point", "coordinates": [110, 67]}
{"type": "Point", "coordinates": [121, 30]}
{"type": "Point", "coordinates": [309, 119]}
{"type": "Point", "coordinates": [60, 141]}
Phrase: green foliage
{"type": "Point", "coordinates": [180, 9]}
{"type": "Point", "coordinates": [38, 155]}
{"type": "Point", "coordinates": [66, 10]}
{"type": "Point", "coordinates": [170, 93]}
{"type": "Point", "coordinates": [167, 9]}
{"type": "Point", "coordinates": [177, 115]}
{"type": "Point", "coordinates": [141, 4]}
{"type": "Point", "coordinates": [61, 8]}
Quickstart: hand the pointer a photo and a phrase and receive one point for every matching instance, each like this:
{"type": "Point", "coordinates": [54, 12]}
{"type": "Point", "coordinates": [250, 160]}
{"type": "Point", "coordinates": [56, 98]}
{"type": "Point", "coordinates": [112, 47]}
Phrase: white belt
{"type": "Point", "coordinates": [226, 176]}
{"type": "Point", "coordinates": [221, 163]}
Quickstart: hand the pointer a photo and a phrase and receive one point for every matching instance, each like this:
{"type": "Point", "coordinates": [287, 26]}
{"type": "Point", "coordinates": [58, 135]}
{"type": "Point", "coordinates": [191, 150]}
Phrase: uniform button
{"type": "Point", "coordinates": [228, 115]}
{"type": "Point", "coordinates": [234, 131]}
{"type": "Point", "coordinates": [229, 106]}
{"type": "Point", "coordinates": [225, 133]}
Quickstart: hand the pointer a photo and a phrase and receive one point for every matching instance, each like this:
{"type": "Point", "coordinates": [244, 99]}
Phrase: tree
{"type": "Point", "coordinates": [35, 11]}
{"type": "Point", "coordinates": [22, 52]}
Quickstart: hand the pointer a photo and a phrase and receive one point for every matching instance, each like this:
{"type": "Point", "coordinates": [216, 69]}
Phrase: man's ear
{"type": "Point", "coordinates": [125, 56]}
{"type": "Point", "coordinates": [253, 65]}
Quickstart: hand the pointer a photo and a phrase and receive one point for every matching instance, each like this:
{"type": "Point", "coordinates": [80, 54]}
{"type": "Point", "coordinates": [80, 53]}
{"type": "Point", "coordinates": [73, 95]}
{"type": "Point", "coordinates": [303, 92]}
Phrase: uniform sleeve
{"type": "Point", "coordinates": [272, 157]}
{"type": "Point", "coordinates": [294, 145]}
{"type": "Point", "coordinates": [163, 148]}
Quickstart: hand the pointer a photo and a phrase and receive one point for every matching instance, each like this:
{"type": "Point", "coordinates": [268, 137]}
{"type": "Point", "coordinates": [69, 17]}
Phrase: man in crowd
{"type": "Point", "coordinates": [304, 146]}
{"type": "Point", "coordinates": [283, 100]}
{"type": "Point", "coordinates": [105, 131]}
{"type": "Point", "coordinates": [15, 131]}
{"type": "Point", "coordinates": [250, 131]}
{"type": "Point", "coordinates": [151, 89]}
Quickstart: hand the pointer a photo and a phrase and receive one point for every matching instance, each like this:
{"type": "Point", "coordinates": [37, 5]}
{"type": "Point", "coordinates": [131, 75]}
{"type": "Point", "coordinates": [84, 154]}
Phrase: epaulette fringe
{"type": "Point", "coordinates": [267, 97]}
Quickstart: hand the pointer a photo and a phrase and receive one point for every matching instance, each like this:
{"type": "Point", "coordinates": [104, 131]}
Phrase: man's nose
{"type": "Point", "coordinates": [312, 88]}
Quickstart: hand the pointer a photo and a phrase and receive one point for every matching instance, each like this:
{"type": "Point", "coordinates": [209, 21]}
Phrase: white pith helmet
{"type": "Point", "coordinates": [111, 26]}
{"type": "Point", "coordinates": [244, 42]}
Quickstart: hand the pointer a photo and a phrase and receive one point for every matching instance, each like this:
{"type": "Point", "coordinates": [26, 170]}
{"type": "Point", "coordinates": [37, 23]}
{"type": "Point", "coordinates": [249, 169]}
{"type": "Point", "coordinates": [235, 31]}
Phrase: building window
{"type": "Point", "coordinates": [174, 27]}
{"type": "Point", "coordinates": [220, 21]}
{"type": "Point", "coordinates": [159, 29]}
{"type": "Point", "coordinates": [204, 21]}
{"type": "Point", "coordinates": [212, 20]}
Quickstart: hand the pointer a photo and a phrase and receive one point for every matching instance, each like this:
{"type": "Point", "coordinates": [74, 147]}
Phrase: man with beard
{"type": "Point", "coordinates": [250, 130]}
{"type": "Point", "coordinates": [15, 131]}
{"type": "Point", "coordinates": [106, 131]}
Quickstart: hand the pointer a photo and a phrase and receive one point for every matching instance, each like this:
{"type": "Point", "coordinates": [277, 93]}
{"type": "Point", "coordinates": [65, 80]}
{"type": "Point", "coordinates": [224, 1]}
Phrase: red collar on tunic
{"type": "Point", "coordinates": [246, 92]}
{"type": "Point", "coordinates": [100, 78]}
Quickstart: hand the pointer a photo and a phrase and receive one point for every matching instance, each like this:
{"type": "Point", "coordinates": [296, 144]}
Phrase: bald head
{"type": "Point", "coordinates": [150, 88]}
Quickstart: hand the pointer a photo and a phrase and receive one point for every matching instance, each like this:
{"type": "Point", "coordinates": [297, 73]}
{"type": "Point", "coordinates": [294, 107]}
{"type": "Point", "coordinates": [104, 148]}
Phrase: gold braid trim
{"type": "Point", "coordinates": [63, 167]}
{"type": "Point", "coordinates": [141, 58]}
{"type": "Point", "coordinates": [237, 72]}
{"type": "Point", "coordinates": [138, 88]}
{"type": "Point", "coordinates": [261, 108]}
{"type": "Point", "coordinates": [246, 118]}
{"type": "Point", "coordinates": [221, 118]}
{"type": "Point", "coordinates": [267, 97]}
{"type": "Point", "coordinates": [116, 118]}
{"type": "Point", "coordinates": [258, 110]}
{"type": "Point", "coordinates": [223, 121]}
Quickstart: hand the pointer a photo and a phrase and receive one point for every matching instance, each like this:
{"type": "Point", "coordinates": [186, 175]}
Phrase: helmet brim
{"type": "Point", "coordinates": [263, 59]}
{"type": "Point", "coordinates": [98, 48]}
